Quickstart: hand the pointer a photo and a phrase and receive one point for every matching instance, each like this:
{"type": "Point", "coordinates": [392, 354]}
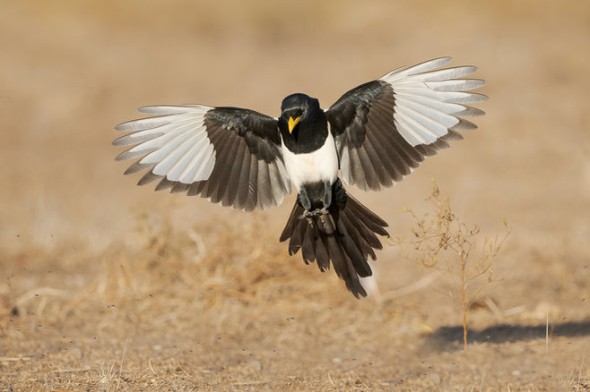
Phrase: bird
{"type": "Point", "coordinates": [371, 137]}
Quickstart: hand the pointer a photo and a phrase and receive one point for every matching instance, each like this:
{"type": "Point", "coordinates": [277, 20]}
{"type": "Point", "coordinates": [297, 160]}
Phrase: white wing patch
{"type": "Point", "coordinates": [175, 142]}
{"type": "Point", "coordinates": [428, 102]}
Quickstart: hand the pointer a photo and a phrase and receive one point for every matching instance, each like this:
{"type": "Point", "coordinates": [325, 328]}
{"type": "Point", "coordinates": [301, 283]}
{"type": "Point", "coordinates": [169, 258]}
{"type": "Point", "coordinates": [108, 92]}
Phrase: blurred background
{"type": "Point", "coordinates": [72, 70]}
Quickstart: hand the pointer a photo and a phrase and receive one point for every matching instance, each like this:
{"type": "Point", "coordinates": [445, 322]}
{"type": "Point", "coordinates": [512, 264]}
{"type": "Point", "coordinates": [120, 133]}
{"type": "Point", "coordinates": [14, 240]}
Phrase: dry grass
{"type": "Point", "coordinates": [215, 308]}
{"type": "Point", "coordinates": [106, 286]}
{"type": "Point", "coordinates": [169, 307]}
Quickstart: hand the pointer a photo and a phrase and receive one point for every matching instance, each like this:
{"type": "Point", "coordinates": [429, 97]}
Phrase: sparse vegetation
{"type": "Point", "coordinates": [205, 303]}
{"type": "Point", "coordinates": [441, 240]}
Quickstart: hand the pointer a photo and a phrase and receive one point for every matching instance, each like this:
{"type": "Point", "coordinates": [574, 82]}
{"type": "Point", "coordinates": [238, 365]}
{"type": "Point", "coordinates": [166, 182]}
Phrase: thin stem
{"type": "Point", "coordinates": [464, 303]}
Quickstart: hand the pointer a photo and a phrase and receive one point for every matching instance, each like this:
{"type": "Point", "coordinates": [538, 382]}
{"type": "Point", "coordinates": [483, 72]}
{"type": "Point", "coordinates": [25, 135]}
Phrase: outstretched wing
{"type": "Point", "coordinates": [231, 156]}
{"type": "Point", "coordinates": [385, 128]}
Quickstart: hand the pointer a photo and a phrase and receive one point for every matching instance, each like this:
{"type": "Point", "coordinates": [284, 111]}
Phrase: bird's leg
{"type": "Point", "coordinates": [303, 199]}
{"type": "Point", "coordinates": [324, 198]}
{"type": "Point", "coordinates": [327, 196]}
{"type": "Point", "coordinates": [309, 215]}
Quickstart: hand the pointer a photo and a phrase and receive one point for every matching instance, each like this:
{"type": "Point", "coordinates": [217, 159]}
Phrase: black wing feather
{"type": "Point", "coordinates": [378, 126]}
{"type": "Point", "coordinates": [241, 166]}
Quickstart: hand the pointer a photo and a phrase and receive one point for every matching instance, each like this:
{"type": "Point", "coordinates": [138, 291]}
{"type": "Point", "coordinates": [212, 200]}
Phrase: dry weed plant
{"type": "Point", "coordinates": [441, 240]}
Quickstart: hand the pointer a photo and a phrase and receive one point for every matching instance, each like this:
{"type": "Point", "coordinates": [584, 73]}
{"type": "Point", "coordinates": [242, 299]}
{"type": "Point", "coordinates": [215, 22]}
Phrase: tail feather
{"type": "Point", "coordinates": [341, 259]}
{"type": "Point", "coordinates": [308, 246]}
{"type": "Point", "coordinates": [346, 236]}
{"type": "Point", "coordinates": [365, 225]}
{"type": "Point", "coordinates": [367, 218]}
{"type": "Point", "coordinates": [323, 250]}
{"type": "Point", "coordinates": [354, 249]}
{"type": "Point", "coordinates": [292, 224]}
{"type": "Point", "coordinates": [362, 237]}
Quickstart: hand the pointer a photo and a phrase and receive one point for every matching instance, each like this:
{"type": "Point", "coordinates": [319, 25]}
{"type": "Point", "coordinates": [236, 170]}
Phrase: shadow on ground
{"type": "Point", "coordinates": [451, 338]}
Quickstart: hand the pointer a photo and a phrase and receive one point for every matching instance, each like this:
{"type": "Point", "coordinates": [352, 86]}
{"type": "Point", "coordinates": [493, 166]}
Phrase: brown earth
{"type": "Point", "coordinates": [108, 286]}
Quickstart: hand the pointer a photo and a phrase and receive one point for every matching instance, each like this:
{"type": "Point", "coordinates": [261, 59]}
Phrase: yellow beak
{"type": "Point", "coordinates": [293, 122]}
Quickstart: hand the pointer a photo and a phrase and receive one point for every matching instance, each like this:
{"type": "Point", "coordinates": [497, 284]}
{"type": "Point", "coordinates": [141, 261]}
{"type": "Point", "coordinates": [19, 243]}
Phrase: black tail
{"type": "Point", "coordinates": [346, 234]}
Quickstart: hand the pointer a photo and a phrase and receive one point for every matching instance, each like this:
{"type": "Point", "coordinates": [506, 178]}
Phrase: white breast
{"type": "Point", "coordinates": [320, 165]}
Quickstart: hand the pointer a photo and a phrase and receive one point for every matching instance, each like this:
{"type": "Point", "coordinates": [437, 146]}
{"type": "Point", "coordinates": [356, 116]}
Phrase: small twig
{"type": "Point", "coordinates": [493, 307]}
{"type": "Point", "coordinates": [418, 285]}
{"type": "Point", "coordinates": [580, 372]}
{"type": "Point", "coordinates": [514, 310]}
{"type": "Point", "coordinates": [121, 364]}
{"type": "Point", "coordinates": [483, 375]}
{"type": "Point", "coordinates": [330, 379]}
{"type": "Point", "coordinates": [41, 291]}
{"type": "Point", "coordinates": [200, 244]}
{"type": "Point", "coordinates": [150, 366]}
{"type": "Point", "coordinates": [80, 370]}
{"type": "Point", "coordinates": [248, 383]}
{"type": "Point", "coordinates": [14, 359]}
{"type": "Point", "coordinates": [547, 334]}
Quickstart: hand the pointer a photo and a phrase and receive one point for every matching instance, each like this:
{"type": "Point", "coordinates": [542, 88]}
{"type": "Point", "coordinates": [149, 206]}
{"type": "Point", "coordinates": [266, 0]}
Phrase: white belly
{"type": "Point", "coordinates": [320, 165]}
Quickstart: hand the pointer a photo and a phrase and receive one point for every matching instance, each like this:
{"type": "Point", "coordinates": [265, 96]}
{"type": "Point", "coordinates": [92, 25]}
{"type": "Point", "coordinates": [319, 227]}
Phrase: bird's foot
{"type": "Point", "coordinates": [310, 214]}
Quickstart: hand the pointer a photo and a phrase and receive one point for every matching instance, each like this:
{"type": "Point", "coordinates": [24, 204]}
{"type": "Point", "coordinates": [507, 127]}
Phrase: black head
{"type": "Point", "coordinates": [302, 120]}
{"type": "Point", "coordinates": [298, 101]}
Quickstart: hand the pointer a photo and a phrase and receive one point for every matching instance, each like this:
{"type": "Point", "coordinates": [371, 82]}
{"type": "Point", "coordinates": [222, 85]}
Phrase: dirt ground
{"type": "Point", "coordinates": [105, 286]}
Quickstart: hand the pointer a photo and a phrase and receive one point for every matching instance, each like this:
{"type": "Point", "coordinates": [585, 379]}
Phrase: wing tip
{"type": "Point", "coordinates": [157, 109]}
{"type": "Point", "coordinates": [435, 62]}
{"type": "Point", "coordinates": [444, 59]}
{"type": "Point", "coordinates": [124, 126]}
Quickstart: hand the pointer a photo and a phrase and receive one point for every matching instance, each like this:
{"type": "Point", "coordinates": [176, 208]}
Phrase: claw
{"type": "Point", "coordinates": [316, 212]}
{"type": "Point", "coordinates": [310, 214]}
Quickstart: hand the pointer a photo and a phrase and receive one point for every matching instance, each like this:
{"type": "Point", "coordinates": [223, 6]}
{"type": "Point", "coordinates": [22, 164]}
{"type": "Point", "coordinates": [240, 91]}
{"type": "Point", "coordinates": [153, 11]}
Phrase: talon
{"type": "Point", "coordinates": [315, 213]}
{"type": "Point", "coordinates": [307, 215]}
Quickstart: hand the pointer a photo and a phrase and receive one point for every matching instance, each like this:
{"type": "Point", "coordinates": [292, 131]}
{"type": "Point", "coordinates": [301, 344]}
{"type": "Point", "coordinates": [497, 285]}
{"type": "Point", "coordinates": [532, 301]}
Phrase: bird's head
{"type": "Point", "coordinates": [298, 111]}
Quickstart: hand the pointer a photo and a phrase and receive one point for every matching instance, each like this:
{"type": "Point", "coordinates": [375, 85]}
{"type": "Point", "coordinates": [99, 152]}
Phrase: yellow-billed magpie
{"type": "Point", "coordinates": [375, 134]}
